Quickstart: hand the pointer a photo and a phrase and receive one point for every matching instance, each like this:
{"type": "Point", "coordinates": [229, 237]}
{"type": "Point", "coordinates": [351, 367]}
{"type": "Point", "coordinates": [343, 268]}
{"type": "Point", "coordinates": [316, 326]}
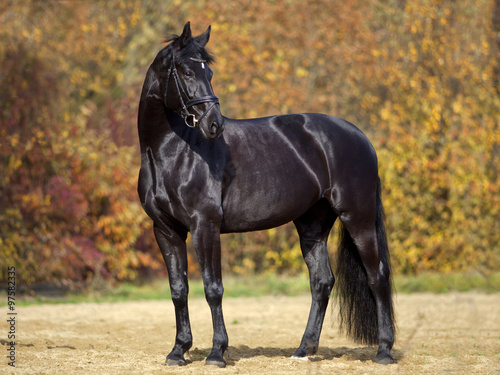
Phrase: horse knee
{"type": "Point", "coordinates": [179, 294]}
{"type": "Point", "coordinates": [214, 292]}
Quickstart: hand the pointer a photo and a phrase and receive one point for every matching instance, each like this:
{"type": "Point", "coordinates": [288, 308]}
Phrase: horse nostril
{"type": "Point", "coordinates": [214, 128]}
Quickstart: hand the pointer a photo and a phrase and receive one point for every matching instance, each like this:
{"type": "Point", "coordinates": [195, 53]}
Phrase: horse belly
{"type": "Point", "coordinates": [260, 203]}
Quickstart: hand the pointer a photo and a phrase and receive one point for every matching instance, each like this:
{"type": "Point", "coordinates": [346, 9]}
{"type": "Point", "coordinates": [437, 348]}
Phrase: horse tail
{"type": "Point", "coordinates": [358, 309]}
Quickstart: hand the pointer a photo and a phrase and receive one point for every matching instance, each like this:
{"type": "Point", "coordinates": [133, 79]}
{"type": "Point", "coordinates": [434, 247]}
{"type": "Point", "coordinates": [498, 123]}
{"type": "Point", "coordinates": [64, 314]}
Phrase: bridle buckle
{"type": "Point", "coordinates": [194, 123]}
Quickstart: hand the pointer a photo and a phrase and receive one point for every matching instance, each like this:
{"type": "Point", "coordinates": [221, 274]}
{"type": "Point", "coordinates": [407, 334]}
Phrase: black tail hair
{"type": "Point", "coordinates": [358, 310]}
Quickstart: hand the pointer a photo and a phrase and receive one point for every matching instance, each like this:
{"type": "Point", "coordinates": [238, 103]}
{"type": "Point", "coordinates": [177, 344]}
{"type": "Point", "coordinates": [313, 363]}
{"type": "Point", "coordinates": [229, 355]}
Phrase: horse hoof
{"type": "Point", "coordinates": [214, 362]}
{"type": "Point", "coordinates": [300, 353]}
{"type": "Point", "coordinates": [384, 359]}
{"type": "Point", "coordinates": [175, 362]}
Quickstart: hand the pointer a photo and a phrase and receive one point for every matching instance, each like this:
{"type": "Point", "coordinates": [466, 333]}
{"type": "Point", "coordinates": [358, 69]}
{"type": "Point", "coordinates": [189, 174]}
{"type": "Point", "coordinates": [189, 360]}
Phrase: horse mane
{"type": "Point", "coordinates": [192, 50]}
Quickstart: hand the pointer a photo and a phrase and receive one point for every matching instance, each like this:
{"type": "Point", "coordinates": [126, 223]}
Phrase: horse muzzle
{"type": "Point", "coordinates": [215, 129]}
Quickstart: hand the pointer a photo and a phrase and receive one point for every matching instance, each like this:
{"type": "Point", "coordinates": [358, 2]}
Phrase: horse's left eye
{"type": "Point", "coordinates": [188, 73]}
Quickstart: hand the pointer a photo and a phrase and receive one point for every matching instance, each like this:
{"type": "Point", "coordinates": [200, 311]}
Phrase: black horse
{"type": "Point", "coordinates": [259, 173]}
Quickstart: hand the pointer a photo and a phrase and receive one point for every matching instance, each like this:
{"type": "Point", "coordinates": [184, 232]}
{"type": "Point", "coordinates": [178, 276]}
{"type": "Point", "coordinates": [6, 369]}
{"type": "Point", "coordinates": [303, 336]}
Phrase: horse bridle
{"type": "Point", "coordinates": [191, 102]}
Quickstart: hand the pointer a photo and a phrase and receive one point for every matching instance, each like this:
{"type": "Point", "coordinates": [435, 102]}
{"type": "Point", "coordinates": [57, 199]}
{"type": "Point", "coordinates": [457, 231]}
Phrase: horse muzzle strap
{"type": "Point", "coordinates": [190, 119]}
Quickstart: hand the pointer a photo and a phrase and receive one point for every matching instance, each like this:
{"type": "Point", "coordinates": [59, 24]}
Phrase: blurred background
{"type": "Point", "coordinates": [421, 78]}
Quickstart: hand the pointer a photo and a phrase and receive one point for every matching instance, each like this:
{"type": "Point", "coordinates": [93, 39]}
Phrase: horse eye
{"type": "Point", "coordinates": [188, 73]}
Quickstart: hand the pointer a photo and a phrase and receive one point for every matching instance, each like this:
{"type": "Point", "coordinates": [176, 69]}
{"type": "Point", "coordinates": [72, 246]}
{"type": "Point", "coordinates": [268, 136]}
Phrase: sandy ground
{"type": "Point", "coordinates": [437, 334]}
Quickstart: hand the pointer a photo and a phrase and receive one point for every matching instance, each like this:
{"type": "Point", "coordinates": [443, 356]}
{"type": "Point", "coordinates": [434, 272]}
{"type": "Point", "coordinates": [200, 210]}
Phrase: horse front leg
{"type": "Point", "coordinates": [206, 240]}
{"type": "Point", "coordinates": [173, 249]}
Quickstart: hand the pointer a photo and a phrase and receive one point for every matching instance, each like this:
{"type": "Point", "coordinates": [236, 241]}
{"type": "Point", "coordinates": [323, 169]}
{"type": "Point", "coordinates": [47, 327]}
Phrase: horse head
{"type": "Point", "coordinates": [187, 88]}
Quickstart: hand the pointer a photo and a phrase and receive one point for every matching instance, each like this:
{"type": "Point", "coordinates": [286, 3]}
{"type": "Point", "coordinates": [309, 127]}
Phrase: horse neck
{"type": "Point", "coordinates": [153, 119]}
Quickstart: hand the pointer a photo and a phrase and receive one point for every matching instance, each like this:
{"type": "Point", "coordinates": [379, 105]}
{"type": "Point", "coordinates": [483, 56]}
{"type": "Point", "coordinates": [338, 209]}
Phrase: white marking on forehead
{"type": "Point", "coordinates": [199, 60]}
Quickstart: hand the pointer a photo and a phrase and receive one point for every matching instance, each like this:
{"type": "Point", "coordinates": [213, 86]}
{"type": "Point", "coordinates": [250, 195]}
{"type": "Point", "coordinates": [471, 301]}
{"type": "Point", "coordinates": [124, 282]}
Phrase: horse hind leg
{"type": "Point", "coordinates": [363, 279]}
{"type": "Point", "coordinates": [313, 228]}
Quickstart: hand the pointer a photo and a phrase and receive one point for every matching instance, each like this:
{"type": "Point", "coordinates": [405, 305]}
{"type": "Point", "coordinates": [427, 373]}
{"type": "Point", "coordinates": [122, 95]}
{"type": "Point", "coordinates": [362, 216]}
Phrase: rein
{"type": "Point", "coordinates": [190, 119]}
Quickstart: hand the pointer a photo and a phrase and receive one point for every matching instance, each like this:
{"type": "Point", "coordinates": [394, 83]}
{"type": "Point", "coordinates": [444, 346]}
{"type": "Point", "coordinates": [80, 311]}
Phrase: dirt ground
{"type": "Point", "coordinates": [437, 334]}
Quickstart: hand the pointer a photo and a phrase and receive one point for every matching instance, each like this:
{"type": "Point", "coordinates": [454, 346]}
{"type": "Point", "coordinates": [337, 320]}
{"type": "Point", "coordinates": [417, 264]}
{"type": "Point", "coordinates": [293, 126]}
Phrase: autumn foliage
{"type": "Point", "coordinates": [420, 78]}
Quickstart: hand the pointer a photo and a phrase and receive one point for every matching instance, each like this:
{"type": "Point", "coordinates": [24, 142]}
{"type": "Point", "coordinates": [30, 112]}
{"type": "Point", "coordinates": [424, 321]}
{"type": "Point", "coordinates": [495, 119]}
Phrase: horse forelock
{"type": "Point", "coordinates": [192, 50]}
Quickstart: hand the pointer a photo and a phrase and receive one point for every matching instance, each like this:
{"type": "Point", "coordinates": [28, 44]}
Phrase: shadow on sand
{"type": "Point", "coordinates": [234, 354]}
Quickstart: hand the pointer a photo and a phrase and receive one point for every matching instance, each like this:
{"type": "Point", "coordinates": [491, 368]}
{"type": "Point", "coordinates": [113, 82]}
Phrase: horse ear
{"type": "Point", "coordinates": [186, 35]}
{"type": "Point", "coordinates": [204, 38]}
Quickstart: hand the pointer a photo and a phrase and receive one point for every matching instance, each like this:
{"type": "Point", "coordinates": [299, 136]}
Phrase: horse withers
{"type": "Point", "coordinates": [207, 174]}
